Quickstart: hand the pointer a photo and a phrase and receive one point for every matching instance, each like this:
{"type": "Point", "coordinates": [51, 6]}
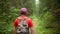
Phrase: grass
{"type": "Point", "coordinates": [39, 26]}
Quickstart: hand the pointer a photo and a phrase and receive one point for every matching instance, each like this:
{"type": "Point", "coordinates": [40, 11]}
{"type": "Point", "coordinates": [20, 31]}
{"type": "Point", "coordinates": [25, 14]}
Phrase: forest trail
{"type": "Point", "coordinates": [35, 25]}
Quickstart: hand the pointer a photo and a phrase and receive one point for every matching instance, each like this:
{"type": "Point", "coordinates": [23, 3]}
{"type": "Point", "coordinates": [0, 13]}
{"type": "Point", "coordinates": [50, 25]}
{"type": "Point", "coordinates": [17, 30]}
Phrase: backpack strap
{"type": "Point", "coordinates": [19, 18]}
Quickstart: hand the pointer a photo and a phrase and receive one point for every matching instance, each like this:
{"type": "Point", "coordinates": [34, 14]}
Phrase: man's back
{"type": "Point", "coordinates": [28, 21]}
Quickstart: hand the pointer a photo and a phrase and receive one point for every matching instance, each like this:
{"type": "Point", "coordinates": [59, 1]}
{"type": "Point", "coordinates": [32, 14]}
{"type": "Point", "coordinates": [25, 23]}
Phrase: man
{"type": "Point", "coordinates": [23, 12]}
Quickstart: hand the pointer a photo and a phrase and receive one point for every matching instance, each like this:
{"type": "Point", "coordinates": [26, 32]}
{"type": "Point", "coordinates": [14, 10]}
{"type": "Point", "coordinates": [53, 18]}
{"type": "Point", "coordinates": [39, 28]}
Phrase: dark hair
{"type": "Point", "coordinates": [23, 13]}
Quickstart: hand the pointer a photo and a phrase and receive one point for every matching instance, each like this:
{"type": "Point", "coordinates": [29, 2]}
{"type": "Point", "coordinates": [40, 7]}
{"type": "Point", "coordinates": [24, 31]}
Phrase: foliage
{"type": "Point", "coordinates": [46, 17]}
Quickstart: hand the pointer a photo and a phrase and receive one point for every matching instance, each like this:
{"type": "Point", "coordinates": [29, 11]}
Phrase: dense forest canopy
{"type": "Point", "coordinates": [44, 13]}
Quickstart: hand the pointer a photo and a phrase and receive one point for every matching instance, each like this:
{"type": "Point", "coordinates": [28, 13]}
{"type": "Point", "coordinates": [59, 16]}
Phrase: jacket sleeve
{"type": "Point", "coordinates": [15, 22]}
{"type": "Point", "coordinates": [30, 23]}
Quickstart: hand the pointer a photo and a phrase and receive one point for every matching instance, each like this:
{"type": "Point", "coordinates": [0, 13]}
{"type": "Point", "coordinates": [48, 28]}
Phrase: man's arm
{"type": "Point", "coordinates": [31, 31]}
{"type": "Point", "coordinates": [14, 30]}
{"type": "Point", "coordinates": [15, 25]}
